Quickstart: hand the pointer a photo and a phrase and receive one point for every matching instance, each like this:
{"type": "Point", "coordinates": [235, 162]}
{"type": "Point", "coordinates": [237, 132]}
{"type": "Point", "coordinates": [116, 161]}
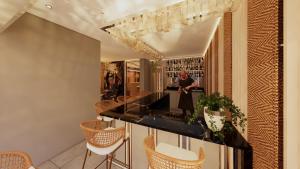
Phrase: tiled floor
{"type": "Point", "coordinates": [73, 159]}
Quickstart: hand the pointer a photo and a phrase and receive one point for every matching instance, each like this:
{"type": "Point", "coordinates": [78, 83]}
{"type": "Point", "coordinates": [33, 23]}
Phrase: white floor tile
{"type": "Point", "coordinates": [91, 162]}
{"type": "Point", "coordinates": [47, 165]}
{"type": "Point", "coordinates": [94, 160]}
{"type": "Point", "coordinates": [76, 163]}
{"type": "Point", "coordinates": [69, 154]}
{"type": "Point", "coordinates": [73, 159]}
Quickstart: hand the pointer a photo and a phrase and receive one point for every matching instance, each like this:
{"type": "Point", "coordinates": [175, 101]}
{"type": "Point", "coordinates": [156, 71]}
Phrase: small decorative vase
{"type": "Point", "coordinates": [214, 119]}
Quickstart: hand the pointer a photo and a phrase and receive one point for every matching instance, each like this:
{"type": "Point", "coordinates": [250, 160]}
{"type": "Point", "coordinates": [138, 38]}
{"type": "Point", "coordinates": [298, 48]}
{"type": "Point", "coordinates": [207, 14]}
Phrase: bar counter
{"type": "Point", "coordinates": [105, 105]}
{"type": "Point", "coordinates": [153, 111]}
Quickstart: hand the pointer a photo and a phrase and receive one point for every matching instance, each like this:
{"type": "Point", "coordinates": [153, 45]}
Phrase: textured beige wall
{"type": "Point", "coordinates": [240, 58]}
{"type": "Point", "coordinates": [48, 84]}
{"type": "Point", "coordinates": [291, 84]}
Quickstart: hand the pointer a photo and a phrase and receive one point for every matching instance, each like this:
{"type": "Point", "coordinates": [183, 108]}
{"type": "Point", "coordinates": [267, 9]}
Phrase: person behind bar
{"type": "Point", "coordinates": [112, 90]}
{"type": "Point", "coordinates": [186, 83]}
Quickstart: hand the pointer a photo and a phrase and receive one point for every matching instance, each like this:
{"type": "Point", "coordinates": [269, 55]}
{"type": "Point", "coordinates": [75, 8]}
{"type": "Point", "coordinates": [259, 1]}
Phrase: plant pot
{"type": "Point", "coordinates": [214, 119]}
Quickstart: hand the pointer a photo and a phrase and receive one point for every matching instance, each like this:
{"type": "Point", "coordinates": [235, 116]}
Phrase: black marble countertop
{"type": "Point", "coordinates": [153, 111]}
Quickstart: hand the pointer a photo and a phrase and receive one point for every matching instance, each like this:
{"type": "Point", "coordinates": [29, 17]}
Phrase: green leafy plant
{"type": "Point", "coordinates": [223, 104]}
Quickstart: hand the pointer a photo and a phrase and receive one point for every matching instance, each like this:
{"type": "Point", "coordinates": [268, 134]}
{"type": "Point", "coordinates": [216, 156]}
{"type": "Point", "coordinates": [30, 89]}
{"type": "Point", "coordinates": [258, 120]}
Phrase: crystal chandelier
{"type": "Point", "coordinates": [188, 12]}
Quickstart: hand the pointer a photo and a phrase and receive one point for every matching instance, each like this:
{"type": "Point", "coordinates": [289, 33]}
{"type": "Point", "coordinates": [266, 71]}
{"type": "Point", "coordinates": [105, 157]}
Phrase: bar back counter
{"type": "Point", "coordinates": [151, 114]}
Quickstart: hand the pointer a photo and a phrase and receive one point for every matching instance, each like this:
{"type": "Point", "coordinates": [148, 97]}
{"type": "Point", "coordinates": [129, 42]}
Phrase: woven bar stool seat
{"type": "Point", "coordinates": [101, 140]}
{"type": "Point", "coordinates": [106, 149]}
{"type": "Point", "coordinates": [15, 160]}
{"type": "Point", "coordinates": [166, 156]}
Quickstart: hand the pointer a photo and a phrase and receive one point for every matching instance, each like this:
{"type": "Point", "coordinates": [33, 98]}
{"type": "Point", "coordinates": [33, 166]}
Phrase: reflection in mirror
{"type": "Point", "coordinates": [112, 80]}
{"type": "Point", "coordinates": [133, 77]}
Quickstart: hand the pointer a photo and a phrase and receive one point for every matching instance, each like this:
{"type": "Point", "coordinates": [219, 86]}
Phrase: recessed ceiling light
{"type": "Point", "coordinates": [49, 6]}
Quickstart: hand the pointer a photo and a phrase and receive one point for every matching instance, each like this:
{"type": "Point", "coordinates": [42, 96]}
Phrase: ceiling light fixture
{"type": "Point", "coordinates": [49, 6]}
{"type": "Point", "coordinates": [130, 29]}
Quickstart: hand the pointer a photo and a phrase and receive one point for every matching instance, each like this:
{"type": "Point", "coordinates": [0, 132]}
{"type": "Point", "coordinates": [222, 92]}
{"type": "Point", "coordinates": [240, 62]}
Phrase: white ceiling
{"type": "Point", "coordinates": [191, 40]}
{"type": "Point", "coordinates": [84, 17]}
{"type": "Point", "coordinates": [87, 16]}
{"type": "Point", "coordinates": [11, 10]}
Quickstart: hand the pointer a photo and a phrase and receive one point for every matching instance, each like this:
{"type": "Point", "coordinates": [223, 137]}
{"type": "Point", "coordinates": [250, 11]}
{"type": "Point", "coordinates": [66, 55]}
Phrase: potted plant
{"type": "Point", "coordinates": [215, 109]}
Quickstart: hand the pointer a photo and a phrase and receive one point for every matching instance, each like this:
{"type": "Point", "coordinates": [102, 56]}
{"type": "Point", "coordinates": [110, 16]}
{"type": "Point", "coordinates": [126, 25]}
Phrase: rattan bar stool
{"type": "Point", "coordinates": [106, 119]}
{"type": "Point", "coordinates": [15, 160]}
{"type": "Point", "coordinates": [103, 141]}
{"type": "Point", "coordinates": [170, 157]}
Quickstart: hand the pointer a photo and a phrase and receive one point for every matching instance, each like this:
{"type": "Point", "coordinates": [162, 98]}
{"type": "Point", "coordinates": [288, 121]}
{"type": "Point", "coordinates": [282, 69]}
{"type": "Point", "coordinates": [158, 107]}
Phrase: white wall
{"type": "Point", "coordinates": [48, 84]}
{"type": "Point", "coordinates": [291, 84]}
{"type": "Point", "coordinates": [240, 58]}
{"type": "Point", "coordinates": [221, 57]}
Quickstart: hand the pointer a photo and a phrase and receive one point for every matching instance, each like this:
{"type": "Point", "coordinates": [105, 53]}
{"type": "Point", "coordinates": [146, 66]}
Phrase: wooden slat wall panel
{"type": "Point", "coordinates": [280, 84]}
{"type": "Point", "coordinates": [265, 84]}
{"type": "Point", "coordinates": [211, 66]}
{"type": "Point", "coordinates": [208, 70]}
{"type": "Point", "coordinates": [228, 54]}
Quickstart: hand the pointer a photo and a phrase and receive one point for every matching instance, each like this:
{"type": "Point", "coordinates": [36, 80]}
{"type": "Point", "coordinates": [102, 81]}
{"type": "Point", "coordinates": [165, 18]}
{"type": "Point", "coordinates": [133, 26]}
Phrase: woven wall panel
{"type": "Point", "coordinates": [264, 84]}
{"type": "Point", "coordinates": [228, 54]}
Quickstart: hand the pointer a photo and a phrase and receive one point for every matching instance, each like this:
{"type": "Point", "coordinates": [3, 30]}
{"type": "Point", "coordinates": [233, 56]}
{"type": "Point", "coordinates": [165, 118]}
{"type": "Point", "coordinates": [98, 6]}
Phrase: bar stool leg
{"type": "Point", "coordinates": [86, 153]}
{"type": "Point", "coordinates": [110, 157]}
{"type": "Point", "coordinates": [106, 161]}
{"type": "Point", "coordinates": [129, 154]}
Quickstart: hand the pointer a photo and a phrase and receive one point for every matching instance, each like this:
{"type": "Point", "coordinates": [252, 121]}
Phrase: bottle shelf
{"type": "Point", "coordinates": [194, 66]}
{"type": "Point", "coordinates": [186, 70]}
